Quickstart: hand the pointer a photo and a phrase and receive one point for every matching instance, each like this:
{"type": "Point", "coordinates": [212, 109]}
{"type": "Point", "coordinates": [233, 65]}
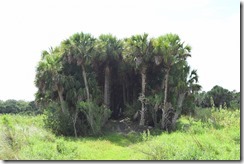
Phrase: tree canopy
{"type": "Point", "coordinates": [85, 81]}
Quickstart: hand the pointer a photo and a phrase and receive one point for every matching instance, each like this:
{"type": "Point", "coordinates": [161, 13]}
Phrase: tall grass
{"type": "Point", "coordinates": [208, 135]}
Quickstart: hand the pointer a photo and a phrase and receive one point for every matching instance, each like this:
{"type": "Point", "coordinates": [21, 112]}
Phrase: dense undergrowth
{"type": "Point", "coordinates": [208, 135]}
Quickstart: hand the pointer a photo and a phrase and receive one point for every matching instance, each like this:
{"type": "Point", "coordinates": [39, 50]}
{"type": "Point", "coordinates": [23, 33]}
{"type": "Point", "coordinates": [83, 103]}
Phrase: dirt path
{"type": "Point", "coordinates": [124, 126]}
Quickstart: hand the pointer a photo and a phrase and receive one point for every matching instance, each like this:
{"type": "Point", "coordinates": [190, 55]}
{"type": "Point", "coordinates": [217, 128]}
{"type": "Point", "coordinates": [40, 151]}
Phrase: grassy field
{"type": "Point", "coordinates": [210, 135]}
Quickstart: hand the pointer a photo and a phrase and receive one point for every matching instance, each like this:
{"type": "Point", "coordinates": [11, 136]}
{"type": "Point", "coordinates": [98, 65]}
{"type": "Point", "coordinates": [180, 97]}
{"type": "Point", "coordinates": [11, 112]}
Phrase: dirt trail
{"type": "Point", "coordinates": [124, 126]}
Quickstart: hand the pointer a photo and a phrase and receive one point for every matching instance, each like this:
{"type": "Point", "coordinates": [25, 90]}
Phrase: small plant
{"type": "Point", "coordinates": [225, 105]}
{"type": "Point", "coordinates": [133, 137]}
{"type": "Point", "coordinates": [60, 147]}
{"type": "Point", "coordinates": [146, 136]}
{"type": "Point", "coordinates": [160, 151]}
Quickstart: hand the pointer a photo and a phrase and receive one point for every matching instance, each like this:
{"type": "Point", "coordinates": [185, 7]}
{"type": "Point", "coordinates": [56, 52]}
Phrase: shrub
{"type": "Point", "coordinates": [63, 148]}
{"type": "Point", "coordinates": [58, 122]}
{"type": "Point", "coordinates": [96, 115]}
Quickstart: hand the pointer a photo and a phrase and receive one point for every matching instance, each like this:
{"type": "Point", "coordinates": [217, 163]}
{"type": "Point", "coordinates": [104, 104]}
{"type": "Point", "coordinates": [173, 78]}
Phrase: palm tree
{"type": "Point", "coordinates": [186, 86]}
{"type": "Point", "coordinates": [109, 50]}
{"type": "Point", "coordinates": [81, 48]}
{"type": "Point", "coordinates": [139, 48]}
{"type": "Point", "coordinates": [49, 76]}
{"type": "Point", "coordinates": [171, 50]}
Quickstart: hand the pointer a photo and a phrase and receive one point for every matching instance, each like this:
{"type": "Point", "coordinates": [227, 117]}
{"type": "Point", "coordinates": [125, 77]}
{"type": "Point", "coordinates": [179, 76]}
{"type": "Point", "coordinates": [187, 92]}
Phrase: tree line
{"type": "Point", "coordinates": [19, 107]}
{"type": "Point", "coordinates": [218, 97]}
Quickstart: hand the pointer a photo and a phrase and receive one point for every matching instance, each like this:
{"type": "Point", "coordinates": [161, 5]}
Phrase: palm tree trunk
{"type": "Point", "coordinates": [85, 81]}
{"type": "Point", "coordinates": [179, 108]}
{"type": "Point", "coordinates": [154, 115]}
{"type": "Point", "coordinates": [143, 89]}
{"type": "Point", "coordinates": [90, 114]}
{"type": "Point", "coordinates": [74, 123]}
{"type": "Point", "coordinates": [166, 87]}
{"type": "Point", "coordinates": [107, 87]}
{"type": "Point", "coordinates": [127, 88]}
{"type": "Point", "coordinates": [60, 94]}
{"type": "Point", "coordinates": [164, 110]}
{"type": "Point", "coordinates": [124, 93]}
{"type": "Point", "coordinates": [163, 84]}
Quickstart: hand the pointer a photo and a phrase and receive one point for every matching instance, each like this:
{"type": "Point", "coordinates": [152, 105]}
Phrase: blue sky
{"type": "Point", "coordinates": [211, 27]}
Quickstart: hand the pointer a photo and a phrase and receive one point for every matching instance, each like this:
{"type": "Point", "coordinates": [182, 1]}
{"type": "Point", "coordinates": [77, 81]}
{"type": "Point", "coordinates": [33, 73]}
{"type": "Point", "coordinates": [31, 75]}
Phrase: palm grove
{"type": "Point", "coordinates": [85, 81]}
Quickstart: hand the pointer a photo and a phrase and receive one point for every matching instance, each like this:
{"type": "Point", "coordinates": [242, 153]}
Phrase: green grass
{"type": "Point", "coordinates": [216, 137]}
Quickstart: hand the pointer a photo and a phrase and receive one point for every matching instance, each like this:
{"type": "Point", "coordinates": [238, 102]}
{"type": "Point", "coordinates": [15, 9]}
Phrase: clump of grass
{"type": "Point", "coordinates": [66, 149]}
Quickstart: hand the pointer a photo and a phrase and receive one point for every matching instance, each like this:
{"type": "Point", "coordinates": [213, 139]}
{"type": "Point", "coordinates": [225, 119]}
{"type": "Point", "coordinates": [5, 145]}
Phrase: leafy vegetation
{"type": "Point", "coordinates": [208, 135]}
{"type": "Point", "coordinates": [109, 99]}
{"type": "Point", "coordinates": [21, 107]}
{"type": "Point", "coordinates": [221, 97]}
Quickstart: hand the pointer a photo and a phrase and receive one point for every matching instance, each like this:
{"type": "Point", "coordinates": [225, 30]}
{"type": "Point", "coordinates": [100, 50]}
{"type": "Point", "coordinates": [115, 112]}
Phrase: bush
{"type": "Point", "coordinates": [88, 118]}
{"type": "Point", "coordinates": [96, 115]}
{"type": "Point", "coordinates": [202, 114]}
{"type": "Point", "coordinates": [59, 123]}
{"type": "Point", "coordinates": [63, 148]}
{"type": "Point", "coordinates": [217, 118]}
